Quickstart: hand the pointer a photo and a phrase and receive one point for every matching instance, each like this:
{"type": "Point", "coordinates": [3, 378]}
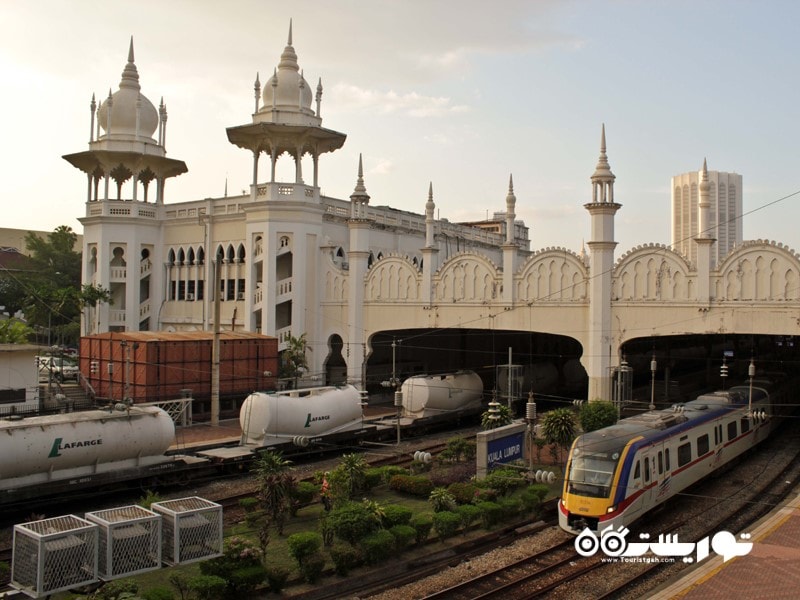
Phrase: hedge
{"type": "Point", "coordinates": [345, 557]}
{"type": "Point", "coordinates": [395, 514]}
{"type": "Point", "coordinates": [304, 544]}
{"type": "Point", "coordinates": [422, 524]}
{"type": "Point", "coordinates": [404, 535]}
{"type": "Point", "coordinates": [377, 546]}
{"type": "Point", "coordinates": [416, 485]}
{"type": "Point", "coordinates": [446, 523]}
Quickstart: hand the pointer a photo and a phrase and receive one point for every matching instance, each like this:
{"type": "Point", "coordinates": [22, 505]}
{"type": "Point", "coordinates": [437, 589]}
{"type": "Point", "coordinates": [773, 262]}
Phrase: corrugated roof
{"type": "Point", "coordinates": [178, 336]}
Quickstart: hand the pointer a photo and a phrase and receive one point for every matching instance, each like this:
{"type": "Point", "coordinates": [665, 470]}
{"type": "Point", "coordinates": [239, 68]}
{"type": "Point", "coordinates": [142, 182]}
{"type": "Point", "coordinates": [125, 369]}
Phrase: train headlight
{"type": "Point", "coordinates": [611, 509]}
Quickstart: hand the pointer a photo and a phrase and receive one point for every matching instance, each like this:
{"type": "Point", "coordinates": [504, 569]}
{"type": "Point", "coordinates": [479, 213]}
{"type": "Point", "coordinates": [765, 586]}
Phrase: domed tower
{"type": "Point", "coordinates": [287, 218]}
{"type": "Point", "coordinates": [284, 121]}
{"type": "Point", "coordinates": [121, 231]}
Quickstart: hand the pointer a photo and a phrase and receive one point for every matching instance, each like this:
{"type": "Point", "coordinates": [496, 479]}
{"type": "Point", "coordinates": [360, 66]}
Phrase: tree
{"type": "Point", "coordinates": [597, 414]}
{"type": "Point", "coordinates": [91, 295]}
{"type": "Point", "coordinates": [14, 331]}
{"type": "Point", "coordinates": [293, 358]}
{"type": "Point", "coordinates": [276, 484]}
{"type": "Point", "coordinates": [558, 427]}
{"type": "Point", "coordinates": [51, 284]}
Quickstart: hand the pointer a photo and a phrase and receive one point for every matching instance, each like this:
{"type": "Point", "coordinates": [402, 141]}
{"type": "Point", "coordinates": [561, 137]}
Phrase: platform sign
{"type": "Point", "coordinates": [499, 446]}
{"type": "Point", "coordinates": [504, 450]}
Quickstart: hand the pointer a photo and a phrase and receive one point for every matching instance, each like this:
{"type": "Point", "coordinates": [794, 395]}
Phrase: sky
{"type": "Point", "coordinates": [459, 94]}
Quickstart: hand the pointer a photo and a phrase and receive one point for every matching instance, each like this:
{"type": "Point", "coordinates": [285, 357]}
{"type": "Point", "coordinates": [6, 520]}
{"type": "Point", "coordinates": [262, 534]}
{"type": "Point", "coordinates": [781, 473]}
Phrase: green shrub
{"type": "Point", "coordinates": [249, 504]}
{"type": "Point", "coordinates": [504, 480]}
{"type": "Point", "coordinates": [395, 514]}
{"type": "Point", "coordinates": [312, 566]}
{"type": "Point", "coordinates": [113, 589]}
{"type": "Point", "coordinates": [510, 507]}
{"type": "Point", "coordinates": [304, 492]}
{"type": "Point", "coordinates": [468, 513]}
{"type": "Point", "coordinates": [533, 495]}
{"type": "Point", "coordinates": [234, 566]}
{"type": "Point", "coordinates": [208, 587]}
{"type": "Point", "coordinates": [352, 521]}
{"type": "Point", "coordinates": [345, 557]}
{"type": "Point", "coordinates": [373, 477]}
{"type": "Point", "coordinates": [276, 577]}
{"type": "Point", "coordinates": [445, 524]}
{"type": "Point", "coordinates": [304, 544]}
{"type": "Point", "coordinates": [422, 524]}
{"type": "Point", "coordinates": [491, 513]}
{"type": "Point", "coordinates": [390, 471]}
{"type": "Point", "coordinates": [441, 500]}
{"type": "Point", "coordinates": [158, 593]}
{"type": "Point", "coordinates": [464, 493]}
{"type": "Point", "coordinates": [245, 580]}
{"type": "Point", "coordinates": [403, 536]}
{"type": "Point", "coordinates": [377, 546]}
{"type": "Point", "coordinates": [415, 485]}
{"type": "Point", "coordinates": [484, 494]}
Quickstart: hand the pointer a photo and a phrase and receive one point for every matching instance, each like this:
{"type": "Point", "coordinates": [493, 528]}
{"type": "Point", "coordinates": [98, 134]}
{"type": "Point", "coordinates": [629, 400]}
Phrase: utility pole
{"type": "Point", "coordinates": [215, 348]}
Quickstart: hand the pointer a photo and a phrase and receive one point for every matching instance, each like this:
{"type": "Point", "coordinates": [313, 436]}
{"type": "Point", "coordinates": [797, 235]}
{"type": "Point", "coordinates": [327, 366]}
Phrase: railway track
{"type": "Point", "coordinates": [529, 574]}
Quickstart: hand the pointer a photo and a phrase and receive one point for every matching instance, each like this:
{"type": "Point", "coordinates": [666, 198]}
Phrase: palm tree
{"type": "Point", "coordinates": [558, 427]}
{"type": "Point", "coordinates": [293, 358]}
{"type": "Point", "coordinates": [276, 485]}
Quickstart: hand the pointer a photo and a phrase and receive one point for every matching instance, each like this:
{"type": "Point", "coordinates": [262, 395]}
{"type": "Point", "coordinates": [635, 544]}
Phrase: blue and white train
{"type": "Point", "coordinates": [619, 473]}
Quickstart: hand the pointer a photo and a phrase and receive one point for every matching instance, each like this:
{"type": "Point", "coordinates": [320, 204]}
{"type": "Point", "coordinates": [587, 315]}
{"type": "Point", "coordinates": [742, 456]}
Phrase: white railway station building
{"type": "Point", "coordinates": [341, 270]}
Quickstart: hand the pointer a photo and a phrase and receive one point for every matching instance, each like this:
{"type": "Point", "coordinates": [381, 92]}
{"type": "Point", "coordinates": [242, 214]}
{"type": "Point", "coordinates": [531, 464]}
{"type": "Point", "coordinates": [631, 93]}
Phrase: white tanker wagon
{"type": "Point", "coordinates": [274, 417]}
{"type": "Point", "coordinates": [432, 395]}
{"type": "Point", "coordinates": [40, 450]}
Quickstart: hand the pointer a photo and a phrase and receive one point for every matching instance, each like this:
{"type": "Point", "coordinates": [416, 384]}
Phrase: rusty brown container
{"type": "Point", "coordinates": [149, 366]}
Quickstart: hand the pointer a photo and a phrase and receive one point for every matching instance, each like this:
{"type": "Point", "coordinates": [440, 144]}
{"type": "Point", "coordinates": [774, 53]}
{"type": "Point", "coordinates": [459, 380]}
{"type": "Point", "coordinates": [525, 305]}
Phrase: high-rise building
{"type": "Point", "coordinates": [725, 216]}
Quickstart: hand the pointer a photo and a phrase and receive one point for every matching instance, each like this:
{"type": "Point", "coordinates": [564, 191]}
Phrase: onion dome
{"type": "Point", "coordinates": [287, 88]}
{"type": "Point", "coordinates": [131, 113]}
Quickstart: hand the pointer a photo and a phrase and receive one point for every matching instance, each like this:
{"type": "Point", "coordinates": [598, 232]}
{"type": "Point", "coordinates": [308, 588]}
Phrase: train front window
{"type": "Point", "coordinates": [591, 474]}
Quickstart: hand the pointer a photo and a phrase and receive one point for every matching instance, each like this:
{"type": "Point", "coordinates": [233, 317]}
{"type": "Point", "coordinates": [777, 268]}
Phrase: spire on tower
{"type": "Point", "coordinates": [289, 43]}
{"type": "Point", "coordinates": [603, 178]}
{"type": "Point", "coordinates": [360, 195]}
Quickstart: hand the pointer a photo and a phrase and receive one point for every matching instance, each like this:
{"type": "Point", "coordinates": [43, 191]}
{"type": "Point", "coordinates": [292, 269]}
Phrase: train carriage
{"type": "Point", "coordinates": [619, 473]}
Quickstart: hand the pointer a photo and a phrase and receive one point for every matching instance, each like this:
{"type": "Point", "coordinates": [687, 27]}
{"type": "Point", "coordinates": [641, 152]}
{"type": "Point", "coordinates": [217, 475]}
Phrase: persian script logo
{"type": "Point", "coordinates": [614, 544]}
{"type": "Point", "coordinates": [310, 419]}
{"type": "Point", "coordinates": [59, 445]}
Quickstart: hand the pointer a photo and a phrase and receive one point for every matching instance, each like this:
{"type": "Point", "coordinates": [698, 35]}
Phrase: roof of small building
{"type": "Point", "coordinates": [178, 336]}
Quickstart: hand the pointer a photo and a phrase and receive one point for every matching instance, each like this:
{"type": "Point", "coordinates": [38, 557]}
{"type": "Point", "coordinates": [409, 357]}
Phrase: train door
{"type": "Point", "coordinates": [647, 458]}
{"type": "Point", "coordinates": [660, 474]}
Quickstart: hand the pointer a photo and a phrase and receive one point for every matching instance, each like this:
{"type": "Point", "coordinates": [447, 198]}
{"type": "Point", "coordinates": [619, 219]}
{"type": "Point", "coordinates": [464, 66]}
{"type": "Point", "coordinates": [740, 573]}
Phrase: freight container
{"type": "Point", "coordinates": [149, 366]}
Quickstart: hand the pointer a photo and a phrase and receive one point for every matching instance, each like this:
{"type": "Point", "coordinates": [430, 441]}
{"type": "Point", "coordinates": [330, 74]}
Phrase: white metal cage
{"type": "Point", "coordinates": [129, 542]}
{"type": "Point", "coordinates": [53, 555]}
{"type": "Point", "coordinates": [191, 529]}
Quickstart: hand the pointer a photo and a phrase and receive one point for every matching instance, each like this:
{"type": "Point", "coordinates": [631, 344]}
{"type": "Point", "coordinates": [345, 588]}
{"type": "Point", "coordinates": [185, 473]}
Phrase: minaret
{"type": "Point", "coordinates": [430, 253]}
{"type": "Point", "coordinates": [358, 257]}
{"type": "Point", "coordinates": [601, 349]}
{"type": "Point", "coordinates": [125, 157]}
{"type": "Point", "coordinates": [286, 121]}
{"type": "Point", "coordinates": [509, 248]}
{"type": "Point", "coordinates": [704, 238]}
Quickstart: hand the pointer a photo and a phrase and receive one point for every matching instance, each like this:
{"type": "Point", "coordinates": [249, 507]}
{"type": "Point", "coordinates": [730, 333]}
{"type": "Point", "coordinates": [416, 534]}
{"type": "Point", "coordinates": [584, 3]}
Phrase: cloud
{"type": "Point", "coordinates": [383, 167]}
{"type": "Point", "coordinates": [352, 97]}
